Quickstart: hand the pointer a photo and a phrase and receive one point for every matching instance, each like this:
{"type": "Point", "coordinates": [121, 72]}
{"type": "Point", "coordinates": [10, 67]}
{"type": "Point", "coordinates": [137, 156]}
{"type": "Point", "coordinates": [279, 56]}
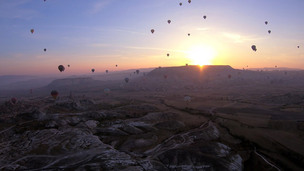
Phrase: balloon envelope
{"type": "Point", "coordinates": [61, 68]}
{"type": "Point", "coordinates": [107, 91]}
{"type": "Point", "coordinates": [253, 47]}
{"type": "Point", "coordinates": [54, 94]}
{"type": "Point", "coordinates": [126, 80]}
{"type": "Point", "coordinates": [187, 98]}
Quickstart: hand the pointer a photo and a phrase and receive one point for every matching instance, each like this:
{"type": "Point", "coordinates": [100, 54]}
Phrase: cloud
{"type": "Point", "coordinates": [100, 45]}
{"type": "Point", "coordinates": [15, 9]}
{"type": "Point", "coordinates": [237, 38]}
{"type": "Point", "coordinates": [202, 29]}
{"type": "Point", "coordinates": [152, 48]}
{"type": "Point", "coordinates": [99, 6]}
{"type": "Point", "coordinates": [126, 31]}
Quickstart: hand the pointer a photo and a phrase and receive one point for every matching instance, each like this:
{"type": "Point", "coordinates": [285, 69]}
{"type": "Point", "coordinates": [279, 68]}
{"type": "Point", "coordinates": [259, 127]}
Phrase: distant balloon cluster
{"type": "Point", "coordinates": [61, 67]}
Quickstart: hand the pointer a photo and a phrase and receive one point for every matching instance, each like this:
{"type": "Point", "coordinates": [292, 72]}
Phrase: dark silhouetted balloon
{"type": "Point", "coordinates": [180, 4]}
{"type": "Point", "coordinates": [13, 100]}
{"type": "Point", "coordinates": [269, 31]}
{"type": "Point", "coordinates": [152, 31]}
{"type": "Point", "coordinates": [169, 21]}
{"type": "Point", "coordinates": [107, 91]}
{"type": "Point", "coordinates": [204, 17]}
{"type": "Point", "coordinates": [93, 70]}
{"type": "Point", "coordinates": [189, 1]}
{"type": "Point", "coordinates": [189, 34]}
{"type": "Point", "coordinates": [116, 65]}
{"type": "Point", "coordinates": [137, 71]}
{"type": "Point", "coordinates": [253, 47]}
{"type": "Point", "coordinates": [266, 22]}
{"type": "Point", "coordinates": [298, 46]}
{"type": "Point", "coordinates": [61, 68]}
{"type": "Point", "coordinates": [168, 54]}
{"type": "Point", "coordinates": [32, 31]}
{"type": "Point", "coordinates": [54, 94]}
{"type": "Point", "coordinates": [126, 80]}
{"type": "Point", "coordinates": [107, 71]}
{"type": "Point", "coordinates": [68, 65]}
{"type": "Point", "coordinates": [44, 49]}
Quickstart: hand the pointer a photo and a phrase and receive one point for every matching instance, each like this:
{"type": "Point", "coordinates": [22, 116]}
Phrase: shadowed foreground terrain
{"type": "Point", "coordinates": [246, 121]}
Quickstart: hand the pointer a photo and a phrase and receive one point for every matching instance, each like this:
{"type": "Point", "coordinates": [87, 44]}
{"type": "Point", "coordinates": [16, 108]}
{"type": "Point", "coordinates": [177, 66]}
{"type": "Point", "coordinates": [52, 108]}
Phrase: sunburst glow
{"type": "Point", "coordinates": [201, 55]}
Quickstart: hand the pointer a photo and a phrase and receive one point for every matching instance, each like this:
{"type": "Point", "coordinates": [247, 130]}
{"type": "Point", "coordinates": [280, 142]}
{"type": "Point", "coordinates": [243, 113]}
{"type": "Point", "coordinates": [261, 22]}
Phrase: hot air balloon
{"type": "Point", "coordinates": [168, 54]}
{"type": "Point", "coordinates": [93, 70]}
{"type": "Point", "coordinates": [137, 71]}
{"type": "Point", "coordinates": [13, 100]}
{"type": "Point", "coordinates": [189, 1]}
{"type": "Point", "coordinates": [54, 94]}
{"type": "Point", "coordinates": [126, 80]}
{"type": "Point", "coordinates": [44, 49]}
{"type": "Point", "coordinates": [204, 17]}
{"type": "Point", "coordinates": [116, 65]}
{"type": "Point", "coordinates": [269, 31]}
{"type": "Point", "coordinates": [298, 46]}
{"type": "Point", "coordinates": [61, 68]}
{"type": "Point", "coordinates": [266, 22]}
{"type": "Point", "coordinates": [68, 65]}
{"type": "Point", "coordinates": [180, 4]}
{"type": "Point", "coordinates": [32, 31]}
{"type": "Point", "coordinates": [187, 99]}
{"type": "Point", "coordinates": [107, 71]}
{"type": "Point", "coordinates": [152, 31]}
{"type": "Point", "coordinates": [253, 47]}
{"type": "Point", "coordinates": [169, 21]}
{"type": "Point", "coordinates": [188, 34]}
{"type": "Point", "coordinates": [107, 91]}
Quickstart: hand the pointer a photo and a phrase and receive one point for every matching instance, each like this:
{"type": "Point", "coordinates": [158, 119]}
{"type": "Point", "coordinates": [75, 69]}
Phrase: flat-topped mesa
{"type": "Point", "coordinates": [191, 70]}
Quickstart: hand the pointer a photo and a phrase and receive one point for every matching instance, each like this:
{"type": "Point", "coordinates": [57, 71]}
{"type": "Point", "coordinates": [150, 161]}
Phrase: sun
{"type": "Point", "coordinates": [201, 55]}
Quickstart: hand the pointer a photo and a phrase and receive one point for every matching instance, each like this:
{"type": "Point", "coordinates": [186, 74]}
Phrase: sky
{"type": "Point", "coordinates": [100, 34]}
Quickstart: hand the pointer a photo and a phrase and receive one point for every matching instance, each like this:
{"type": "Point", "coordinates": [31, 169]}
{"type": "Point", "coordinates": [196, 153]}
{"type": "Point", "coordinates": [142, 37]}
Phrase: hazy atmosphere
{"type": "Point", "coordinates": [162, 85]}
